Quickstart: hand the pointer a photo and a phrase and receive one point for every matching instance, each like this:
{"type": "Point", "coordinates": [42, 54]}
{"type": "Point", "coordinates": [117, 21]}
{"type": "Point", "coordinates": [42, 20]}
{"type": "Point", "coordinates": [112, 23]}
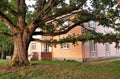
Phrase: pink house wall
{"type": "Point", "coordinates": [86, 50]}
{"type": "Point", "coordinates": [101, 53]}
{"type": "Point", "coordinates": [82, 51]}
{"type": "Point", "coordinates": [73, 52]}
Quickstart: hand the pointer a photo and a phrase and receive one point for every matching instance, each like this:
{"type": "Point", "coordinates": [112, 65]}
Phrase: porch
{"type": "Point", "coordinates": [44, 56]}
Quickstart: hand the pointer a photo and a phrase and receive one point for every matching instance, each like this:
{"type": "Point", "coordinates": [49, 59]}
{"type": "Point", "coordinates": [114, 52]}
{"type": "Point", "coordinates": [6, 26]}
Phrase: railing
{"type": "Point", "coordinates": [46, 55]}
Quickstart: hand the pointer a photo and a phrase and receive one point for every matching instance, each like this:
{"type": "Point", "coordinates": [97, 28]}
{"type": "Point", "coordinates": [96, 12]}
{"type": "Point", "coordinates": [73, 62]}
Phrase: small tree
{"type": "Point", "coordinates": [4, 45]}
{"type": "Point", "coordinates": [5, 42]}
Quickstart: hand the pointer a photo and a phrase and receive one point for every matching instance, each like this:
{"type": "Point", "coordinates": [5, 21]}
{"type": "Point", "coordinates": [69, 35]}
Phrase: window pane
{"type": "Point", "coordinates": [92, 24]}
{"type": "Point", "coordinates": [106, 29]}
{"type": "Point", "coordinates": [107, 47]}
{"type": "Point", "coordinates": [92, 46]}
{"type": "Point", "coordinates": [65, 45]}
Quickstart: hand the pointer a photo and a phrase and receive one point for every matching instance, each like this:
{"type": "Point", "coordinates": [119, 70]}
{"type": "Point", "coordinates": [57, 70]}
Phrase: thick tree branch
{"type": "Point", "coordinates": [62, 31]}
{"type": "Point", "coordinates": [79, 23]}
{"type": "Point", "coordinates": [67, 10]}
{"type": "Point", "coordinates": [17, 4]}
{"type": "Point", "coordinates": [97, 37]}
{"type": "Point", "coordinates": [21, 7]}
{"type": "Point", "coordinates": [56, 33]}
{"type": "Point", "coordinates": [53, 3]}
{"type": "Point", "coordinates": [9, 22]}
{"type": "Point", "coordinates": [40, 15]}
{"type": "Point", "coordinates": [31, 27]}
{"type": "Point", "coordinates": [12, 11]}
{"type": "Point", "coordinates": [6, 34]}
{"type": "Point", "coordinates": [46, 8]}
{"type": "Point", "coordinates": [49, 41]}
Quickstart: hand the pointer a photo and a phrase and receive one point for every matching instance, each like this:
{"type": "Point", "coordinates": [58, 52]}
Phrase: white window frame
{"type": "Point", "coordinates": [65, 46]}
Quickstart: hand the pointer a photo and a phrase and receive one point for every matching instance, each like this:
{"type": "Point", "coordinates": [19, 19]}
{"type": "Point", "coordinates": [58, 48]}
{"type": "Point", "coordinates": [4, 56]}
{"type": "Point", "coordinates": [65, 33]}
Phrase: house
{"type": "Point", "coordinates": [39, 51]}
{"type": "Point", "coordinates": [82, 52]}
{"type": "Point", "coordinates": [88, 50]}
{"type": "Point", "coordinates": [93, 50]}
{"type": "Point", "coordinates": [67, 51]}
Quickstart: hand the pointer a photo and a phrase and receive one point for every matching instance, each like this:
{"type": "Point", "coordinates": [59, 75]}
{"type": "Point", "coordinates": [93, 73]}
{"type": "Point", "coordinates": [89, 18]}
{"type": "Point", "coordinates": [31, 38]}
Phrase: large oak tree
{"type": "Point", "coordinates": [48, 15]}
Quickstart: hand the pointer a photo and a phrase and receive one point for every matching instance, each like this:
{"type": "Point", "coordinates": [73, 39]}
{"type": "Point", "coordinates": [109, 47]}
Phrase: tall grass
{"type": "Point", "coordinates": [67, 70]}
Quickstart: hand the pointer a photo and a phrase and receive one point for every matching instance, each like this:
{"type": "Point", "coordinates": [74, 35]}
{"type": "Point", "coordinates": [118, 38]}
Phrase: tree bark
{"type": "Point", "coordinates": [21, 43]}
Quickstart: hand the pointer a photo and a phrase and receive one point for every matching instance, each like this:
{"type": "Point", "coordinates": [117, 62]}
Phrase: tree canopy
{"type": "Point", "coordinates": [103, 11]}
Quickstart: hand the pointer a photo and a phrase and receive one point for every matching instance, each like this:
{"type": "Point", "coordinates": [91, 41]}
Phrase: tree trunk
{"type": "Point", "coordinates": [21, 43]}
{"type": "Point", "coordinates": [2, 54]}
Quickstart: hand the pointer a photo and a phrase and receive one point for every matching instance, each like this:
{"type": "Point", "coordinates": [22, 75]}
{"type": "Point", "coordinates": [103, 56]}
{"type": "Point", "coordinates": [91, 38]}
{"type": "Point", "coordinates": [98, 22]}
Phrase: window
{"type": "Point", "coordinates": [106, 29]}
{"type": "Point", "coordinates": [118, 51]}
{"type": "Point", "coordinates": [65, 45]}
{"type": "Point", "coordinates": [33, 46]}
{"type": "Point", "coordinates": [45, 48]}
{"type": "Point", "coordinates": [92, 24]}
{"type": "Point", "coordinates": [93, 49]}
{"type": "Point", "coordinates": [107, 49]}
{"type": "Point", "coordinates": [93, 46]}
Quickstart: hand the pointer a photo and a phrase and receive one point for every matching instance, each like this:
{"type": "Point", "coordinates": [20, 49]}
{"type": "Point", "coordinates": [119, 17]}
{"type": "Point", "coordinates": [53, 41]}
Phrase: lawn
{"type": "Point", "coordinates": [3, 62]}
{"type": "Point", "coordinates": [63, 70]}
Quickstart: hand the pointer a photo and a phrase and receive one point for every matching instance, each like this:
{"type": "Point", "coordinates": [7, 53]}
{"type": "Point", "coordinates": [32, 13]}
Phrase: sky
{"type": "Point", "coordinates": [30, 2]}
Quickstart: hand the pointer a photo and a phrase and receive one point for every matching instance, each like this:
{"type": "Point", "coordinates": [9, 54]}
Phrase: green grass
{"type": "Point", "coordinates": [104, 59]}
{"type": "Point", "coordinates": [3, 62]}
{"type": "Point", "coordinates": [65, 70]}
{"type": "Point", "coordinates": [60, 63]}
